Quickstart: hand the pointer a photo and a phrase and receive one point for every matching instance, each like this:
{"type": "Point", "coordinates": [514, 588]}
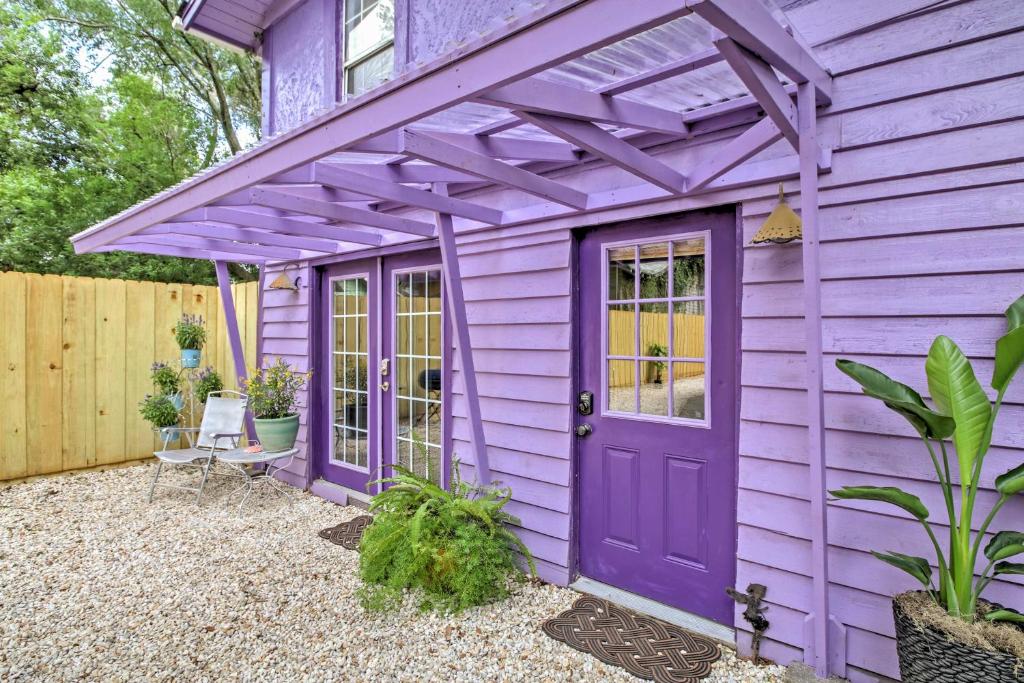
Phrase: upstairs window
{"type": "Point", "coordinates": [369, 44]}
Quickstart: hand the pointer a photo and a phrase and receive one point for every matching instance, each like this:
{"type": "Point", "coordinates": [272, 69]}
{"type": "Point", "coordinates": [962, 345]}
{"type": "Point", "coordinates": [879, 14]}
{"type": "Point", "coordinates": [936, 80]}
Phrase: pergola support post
{"type": "Point", "coordinates": [824, 637]}
{"type": "Point", "coordinates": [457, 309]}
{"type": "Point", "coordinates": [234, 337]}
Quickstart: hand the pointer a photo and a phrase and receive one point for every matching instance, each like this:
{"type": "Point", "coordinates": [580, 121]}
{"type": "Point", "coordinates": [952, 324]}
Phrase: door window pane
{"type": "Point", "coordinates": [350, 425]}
{"type": "Point", "coordinates": [621, 330]}
{"type": "Point", "coordinates": [621, 274]}
{"type": "Point", "coordinates": [654, 271]}
{"type": "Point", "coordinates": [688, 329]}
{"type": "Point", "coordinates": [688, 268]}
{"type": "Point", "coordinates": [418, 380]}
{"type": "Point", "coordinates": [688, 389]}
{"type": "Point", "coordinates": [622, 386]}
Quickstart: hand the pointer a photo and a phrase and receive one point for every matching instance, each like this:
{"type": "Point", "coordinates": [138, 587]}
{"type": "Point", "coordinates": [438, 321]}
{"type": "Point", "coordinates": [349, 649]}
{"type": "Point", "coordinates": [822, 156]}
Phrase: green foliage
{"type": "Point", "coordinates": [190, 333]}
{"type": "Point", "coordinates": [453, 547]}
{"type": "Point", "coordinates": [165, 379]}
{"type": "Point", "coordinates": [158, 411]}
{"type": "Point", "coordinates": [207, 381]}
{"type": "Point", "coordinates": [965, 414]}
{"type": "Point", "coordinates": [272, 390]}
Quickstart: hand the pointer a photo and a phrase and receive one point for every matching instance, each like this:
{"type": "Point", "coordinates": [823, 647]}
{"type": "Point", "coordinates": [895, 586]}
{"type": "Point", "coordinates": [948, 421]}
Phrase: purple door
{"type": "Point", "coordinates": [348, 420]}
{"type": "Point", "coordinates": [657, 473]}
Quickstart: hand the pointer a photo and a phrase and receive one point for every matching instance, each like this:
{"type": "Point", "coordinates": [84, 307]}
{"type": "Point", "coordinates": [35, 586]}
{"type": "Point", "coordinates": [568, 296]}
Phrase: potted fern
{"type": "Point", "coordinates": [948, 631]}
{"type": "Point", "coordinates": [272, 394]}
{"type": "Point", "coordinates": [191, 336]}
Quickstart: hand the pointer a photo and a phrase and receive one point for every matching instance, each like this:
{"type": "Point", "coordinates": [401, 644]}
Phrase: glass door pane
{"type": "Point", "coordinates": [350, 363]}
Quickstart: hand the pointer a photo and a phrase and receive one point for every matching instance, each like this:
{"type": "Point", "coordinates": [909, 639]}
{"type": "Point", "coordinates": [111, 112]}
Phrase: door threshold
{"type": "Point", "coordinates": [638, 603]}
{"type": "Point", "coordinates": [342, 495]}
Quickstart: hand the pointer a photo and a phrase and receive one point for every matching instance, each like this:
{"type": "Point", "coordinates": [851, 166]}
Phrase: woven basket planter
{"type": "Point", "coordinates": [929, 656]}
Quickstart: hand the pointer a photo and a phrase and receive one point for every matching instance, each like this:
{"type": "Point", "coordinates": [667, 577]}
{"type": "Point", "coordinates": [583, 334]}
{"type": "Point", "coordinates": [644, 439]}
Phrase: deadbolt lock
{"type": "Point", "coordinates": [585, 403]}
{"type": "Point", "coordinates": [385, 366]}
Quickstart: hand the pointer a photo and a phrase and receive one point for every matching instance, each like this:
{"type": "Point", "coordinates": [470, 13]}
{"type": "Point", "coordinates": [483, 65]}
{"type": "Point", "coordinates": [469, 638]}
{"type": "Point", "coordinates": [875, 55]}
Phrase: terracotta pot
{"type": "Point", "coordinates": [928, 655]}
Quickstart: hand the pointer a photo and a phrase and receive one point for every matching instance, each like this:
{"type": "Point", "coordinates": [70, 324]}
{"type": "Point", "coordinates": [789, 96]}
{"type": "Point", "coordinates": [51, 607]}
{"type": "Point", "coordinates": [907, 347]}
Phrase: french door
{"type": "Point", "coordinates": [386, 347]}
{"type": "Point", "coordinates": [657, 451]}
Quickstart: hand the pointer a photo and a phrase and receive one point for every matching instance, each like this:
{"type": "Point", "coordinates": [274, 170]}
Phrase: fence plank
{"type": "Point", "coordinates": [140, 336]}
{"type": "Point", "coordinates": [167, 312]}
{"type": "Point", "coordinates": [78, 400]}
{"type": "Point", "coordinates": [110, 371]}
{"type": "Point", "coordinates": [13, 441]}
{"type": "Point", "coordinates": [43, 337]}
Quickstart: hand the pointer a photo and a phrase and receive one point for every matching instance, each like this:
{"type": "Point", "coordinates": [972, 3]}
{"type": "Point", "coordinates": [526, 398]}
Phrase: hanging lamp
{"type": "Point", "coordinates": [781, 226]}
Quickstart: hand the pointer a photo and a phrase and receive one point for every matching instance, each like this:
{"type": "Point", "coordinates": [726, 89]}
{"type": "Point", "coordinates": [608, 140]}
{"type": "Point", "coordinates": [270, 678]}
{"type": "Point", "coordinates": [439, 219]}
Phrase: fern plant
{"type": "Point", "coordinates": [965, 415]}
{"type": "Point", "coordinates": [452, 546]}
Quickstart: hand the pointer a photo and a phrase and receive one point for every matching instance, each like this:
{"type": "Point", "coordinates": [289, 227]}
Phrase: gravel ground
{"type": "Point", "coordinates": [96, 584]}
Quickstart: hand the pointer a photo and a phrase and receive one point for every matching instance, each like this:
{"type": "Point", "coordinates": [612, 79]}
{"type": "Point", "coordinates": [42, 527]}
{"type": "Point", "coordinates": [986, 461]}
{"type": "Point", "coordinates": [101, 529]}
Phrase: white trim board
{"type": "Point", "coordinates": [637, 603]}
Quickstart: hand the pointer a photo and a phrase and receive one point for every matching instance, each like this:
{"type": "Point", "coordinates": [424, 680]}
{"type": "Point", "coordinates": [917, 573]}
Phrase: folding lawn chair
{"type": "Point", "coordinates": [220, 429]}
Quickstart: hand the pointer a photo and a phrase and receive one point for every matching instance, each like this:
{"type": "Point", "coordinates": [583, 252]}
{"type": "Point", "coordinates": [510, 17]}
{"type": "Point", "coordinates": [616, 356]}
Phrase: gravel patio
{"type": "Point", "coordinates": [95, 584]}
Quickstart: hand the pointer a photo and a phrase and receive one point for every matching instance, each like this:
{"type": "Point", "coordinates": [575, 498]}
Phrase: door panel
{"type": "Point", "coordinates": [349, 426]}
{"type": "Point", "coordinates": [657, 474]}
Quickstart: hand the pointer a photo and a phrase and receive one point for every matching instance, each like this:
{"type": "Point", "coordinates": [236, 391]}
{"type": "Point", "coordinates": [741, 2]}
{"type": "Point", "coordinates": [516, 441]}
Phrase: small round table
{"type": "Point", "coordinates": [246, 463]}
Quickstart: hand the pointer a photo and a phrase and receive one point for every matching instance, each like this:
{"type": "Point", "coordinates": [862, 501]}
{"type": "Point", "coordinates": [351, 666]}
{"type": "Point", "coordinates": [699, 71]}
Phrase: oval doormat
{"type": "Point", "coordinates": [347, 534]}
{"type": "Point", "coordinates": [646, 647]}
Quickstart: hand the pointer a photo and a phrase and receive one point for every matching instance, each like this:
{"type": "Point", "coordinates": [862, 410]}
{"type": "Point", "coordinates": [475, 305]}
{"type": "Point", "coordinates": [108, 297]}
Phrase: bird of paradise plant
{"type": "Point", "coordinates": [962, 412]}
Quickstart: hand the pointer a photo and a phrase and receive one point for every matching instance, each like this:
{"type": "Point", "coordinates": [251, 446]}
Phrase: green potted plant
{"type": "Point", "coordinates": [190, 335]}
{"type": "Point", "coordinates": [159, 411]}
{"type": "Point", "coordinates": [167, 383]}
{"type": "Point", "coordinates": [207, 382]}
{"type": "Point", "coordinates": [355, 404]}
{"type": "Point", "coordinates": [948, 631]}
{"type": "Point", "coordinates": [272, 393]}
{"type": "Point", "coordinates": [655, 368]}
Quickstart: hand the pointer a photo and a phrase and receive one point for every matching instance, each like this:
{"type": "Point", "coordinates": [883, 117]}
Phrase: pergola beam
{"type": "Point", "coordinates": [612, 149]}
{"type": "Point", "coordinates": [234, 336]}
{"type": "Point", "coordinates": [538, 95]}
{"type": "Point", "coordinates": [285, 201]}
{"type": "Point", "coordinates": [674, 68]}
{"type": "Point", "coordinates": [500, 148]}
{"type": "Point", "coordinates": [220, 245]}
{"type": "Point", "coordinates": [430, 148]}
{"type": "Point", "coordinates": [291, 225]}
{"type": "Point", "coordinates": [755, 139]}
{"type": "Point", "coordinates": [357, 182]}
{"type": "Point", "coordinates": [751, 25]}
{"type": "Point", "coordinates": [405, 173]}
{"type": "Point", "coordinates": [158, 249]}
{"type": "Point", "coordinates": [233, 232]}
{"type": "Point", "coordinates": [764, 85]}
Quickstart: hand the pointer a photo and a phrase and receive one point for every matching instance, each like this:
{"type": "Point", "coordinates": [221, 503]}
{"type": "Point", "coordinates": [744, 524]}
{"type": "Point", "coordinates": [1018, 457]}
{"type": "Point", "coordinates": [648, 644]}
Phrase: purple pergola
{"type": "Point", "coordinates": [379, 170]}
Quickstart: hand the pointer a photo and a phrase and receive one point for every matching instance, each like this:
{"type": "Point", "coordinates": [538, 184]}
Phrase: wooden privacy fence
{"type": "Point", "coordinates": [75, 357]}
{"type": "Point", "coordinates": [688, 333]}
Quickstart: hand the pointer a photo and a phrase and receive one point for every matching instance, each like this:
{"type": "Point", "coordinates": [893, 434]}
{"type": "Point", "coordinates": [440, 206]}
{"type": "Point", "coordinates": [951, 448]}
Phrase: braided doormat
{"type": "Point", "coordinates": [347, 534]}
{"type": "Point", "coordinates": [644, 646]}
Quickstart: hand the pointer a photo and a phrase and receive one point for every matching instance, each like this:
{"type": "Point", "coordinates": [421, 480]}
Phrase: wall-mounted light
{"type": "Point", "coordinates": [282, 281]}
{"type": "Point", "coordinates": [781, 226]}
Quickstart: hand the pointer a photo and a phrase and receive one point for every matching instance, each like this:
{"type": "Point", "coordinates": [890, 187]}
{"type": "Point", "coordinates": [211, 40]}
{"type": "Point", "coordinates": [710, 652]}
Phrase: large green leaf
{"type": "Point", "coordinates": [957, 393]}
{"type": "Point", "coordinates": [1005, 544]}
{"type": "Point", "coordinates": [1009, 357]}
{"type": "Point", "coordinates": [1005, 615]}
{"type": "Point", "coordinates": [885, 494]}
{"type": "Point", "coordinates": [1015, 315]}
{"type": "Point", "coordinates": [917, 567]}
{"type": "Point", "coordinates": [1012, 482]}
{"type": "Point", "coordinates": [900, 398]}
{"type": "Point", "coordinates": [1009, 568]}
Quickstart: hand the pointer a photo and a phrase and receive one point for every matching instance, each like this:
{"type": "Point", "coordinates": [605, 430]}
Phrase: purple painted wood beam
{"type": "Point", "coordinates": [291, 226]}
{"type": "Point", "coordinates": [755, 139]}
{"type": "Point", "coordinates": [405, 173]}
{"type": "Point", "coordinates": [222, 246]}
{"type": "Point", "coordinates": [611, 148]}
{"type": "Point", "coordinates": [241, 198]}
{"type": "Point", "coordinates": [182, 252]}
{"type": "Point", "coordinates": [816, 640]}
{"type": "Point", "coordinates": [430, 148]}
{"type": "Point", "coordinates": [314, 207]}
{"type": "Point", "coordinates": [674, 68]}
{"type": "Point", "coordinates": [232, 232]}
{"type": "Point", "coordinates": [500, 148]}
{"type": "Point", "coordinates": [537, 95]}
{"type": "Point", "coordinates": [557, 32]}
{"type": "Point", "coordinates": [764, 85]}
{"type": "Point", "coordinates": [234, 336]}
{"type": "Point", "coordinates": [751, 25]}
{"type": "Point", "coordinates": [410, 196]}
{"type": "Point", "coordinates": [460, 326]}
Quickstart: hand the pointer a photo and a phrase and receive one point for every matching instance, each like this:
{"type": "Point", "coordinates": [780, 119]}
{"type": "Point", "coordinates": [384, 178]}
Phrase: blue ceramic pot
{"type": "Point", "coordinates": [190, 358]}
{"type": "Point", "coordinates": [178, 400]}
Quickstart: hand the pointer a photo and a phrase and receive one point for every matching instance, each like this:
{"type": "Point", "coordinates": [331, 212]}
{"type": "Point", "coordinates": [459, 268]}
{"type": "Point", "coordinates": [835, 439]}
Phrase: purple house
{"type": "Point", "coordinates": [520, 236]}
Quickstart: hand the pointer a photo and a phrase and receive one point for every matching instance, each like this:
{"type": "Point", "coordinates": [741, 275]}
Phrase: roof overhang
{"type": "Point", "coordinates": [363, 174]}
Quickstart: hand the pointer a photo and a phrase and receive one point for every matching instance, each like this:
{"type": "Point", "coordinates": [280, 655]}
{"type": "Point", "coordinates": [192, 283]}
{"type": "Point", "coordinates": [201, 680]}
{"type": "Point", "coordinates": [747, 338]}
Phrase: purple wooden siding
{"type": "Point", "coordinates": [919, 237]}
{"type": "Point", "coordinates": [286, 334]}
